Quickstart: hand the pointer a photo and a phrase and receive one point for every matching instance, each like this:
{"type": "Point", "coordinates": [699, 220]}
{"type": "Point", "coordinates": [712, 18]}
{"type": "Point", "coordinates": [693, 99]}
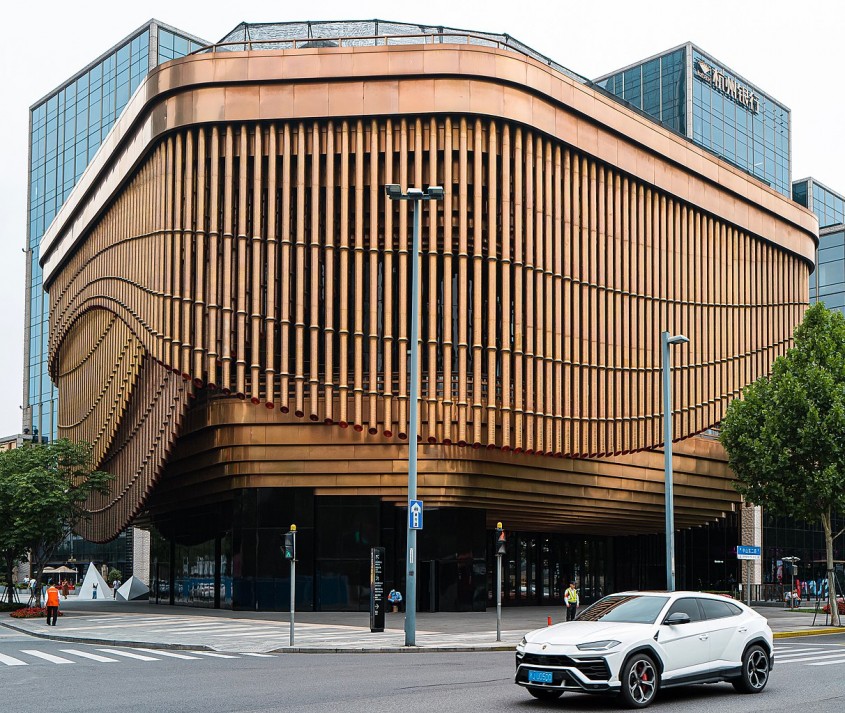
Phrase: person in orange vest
{"type": "Point", "coordinates": [52, 603]}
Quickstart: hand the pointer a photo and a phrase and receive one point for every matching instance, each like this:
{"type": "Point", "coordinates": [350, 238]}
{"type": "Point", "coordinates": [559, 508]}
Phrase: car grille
{"type": "Point", "coordinates": [596, 669]}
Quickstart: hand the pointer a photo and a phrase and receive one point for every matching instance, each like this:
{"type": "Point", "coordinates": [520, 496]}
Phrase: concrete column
{"type": "Point", "coordinates": [141, 554]}
{"type": "Point", "coordinates": [751, 533]}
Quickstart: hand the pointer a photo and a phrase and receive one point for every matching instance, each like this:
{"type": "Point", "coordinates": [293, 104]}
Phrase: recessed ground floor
{"type": "Point", "coordinates": [230, 555]}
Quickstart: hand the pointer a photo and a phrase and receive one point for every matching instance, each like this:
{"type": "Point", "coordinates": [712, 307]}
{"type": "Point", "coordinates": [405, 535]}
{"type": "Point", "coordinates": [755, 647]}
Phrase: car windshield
{"type": "Point", "coordinates": [625, 608]}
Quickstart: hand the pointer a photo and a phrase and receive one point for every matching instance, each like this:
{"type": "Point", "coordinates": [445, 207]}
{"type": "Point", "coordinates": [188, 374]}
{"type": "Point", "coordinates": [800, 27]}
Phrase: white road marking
{"type": "Point", "coordinates": [128, 655]}
{"type": "Point", "coordinates": [88, 655]}
{"type": "Point", "coordinates": [263, 656]}
{"type": "Point", "coordinates": [167, 653]}
{"type": "Point", "coordinates": [827, 663]}
{"type": "Point", "coordinates": [46, 657]}
{"type": "Point", "coordinates": [807, 657]}
{"type": "Point", "coordinates": [10, 661]}
{"type": "Point", "coordinates": [215, 655]}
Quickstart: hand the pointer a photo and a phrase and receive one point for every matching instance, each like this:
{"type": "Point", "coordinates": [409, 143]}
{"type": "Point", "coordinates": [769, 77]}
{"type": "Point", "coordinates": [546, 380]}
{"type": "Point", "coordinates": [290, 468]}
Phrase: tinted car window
{"type": "Point", "coordinates": [629, 609]}
{"type": "Point", "coordinates": [714, 609]}
{"type": "Point", "coordinates": [688, 606]}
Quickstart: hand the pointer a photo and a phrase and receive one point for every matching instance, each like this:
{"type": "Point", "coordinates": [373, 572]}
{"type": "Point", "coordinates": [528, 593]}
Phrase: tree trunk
{"type": "Point", "coordinates": [831, 581]}
{"type": "Point", "coordinates": [10, 578]}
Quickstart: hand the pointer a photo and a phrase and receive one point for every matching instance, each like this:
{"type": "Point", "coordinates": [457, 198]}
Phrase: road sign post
{"type": "Point", "coordinates": [376, 589]}
{"type": "Point", "coordinates": [747, 553]}
{"type": "Point", "coordinates": [792, 562]}
{"type": "Point", "coordinates": [415, 515]}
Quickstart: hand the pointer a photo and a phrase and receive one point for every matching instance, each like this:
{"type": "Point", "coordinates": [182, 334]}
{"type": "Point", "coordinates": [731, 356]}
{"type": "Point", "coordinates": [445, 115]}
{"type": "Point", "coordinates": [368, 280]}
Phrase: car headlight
{"type": "Point", "coordinates": [598, 645]}
{"type": "Point", "coordinates": [521, 645]}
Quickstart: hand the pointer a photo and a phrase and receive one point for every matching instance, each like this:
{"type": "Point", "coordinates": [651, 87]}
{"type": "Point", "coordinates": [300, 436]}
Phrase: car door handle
{"type": "Point", "coordinates": [704, 637]}
{"type": "Point", "coordinates": [743, 629]}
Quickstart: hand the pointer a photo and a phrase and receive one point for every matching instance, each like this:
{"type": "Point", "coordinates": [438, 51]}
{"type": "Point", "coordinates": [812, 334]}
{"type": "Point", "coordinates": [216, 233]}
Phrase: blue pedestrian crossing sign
{"type": "Point", "coordinates": [415, 515]}
{"type": "Point", "coordinates": [747, 552]}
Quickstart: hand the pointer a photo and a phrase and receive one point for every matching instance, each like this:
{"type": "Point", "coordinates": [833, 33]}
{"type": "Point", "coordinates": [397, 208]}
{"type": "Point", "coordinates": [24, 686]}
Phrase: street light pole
{"type": "Point", "coordinates": [416, 196]}
{"type": "Point", "coordinates": [665, 341]}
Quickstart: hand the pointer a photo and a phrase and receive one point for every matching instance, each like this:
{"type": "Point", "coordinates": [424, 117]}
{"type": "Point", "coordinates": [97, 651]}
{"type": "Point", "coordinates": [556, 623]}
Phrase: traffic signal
{"type": "Point", "coordinates": [290, 545]}
{"type": "Point", "coordinates": [501, 543]}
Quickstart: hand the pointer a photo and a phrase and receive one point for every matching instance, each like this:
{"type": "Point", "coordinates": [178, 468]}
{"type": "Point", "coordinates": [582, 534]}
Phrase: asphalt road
{"type": "Point", "coordinates": [36, 674]}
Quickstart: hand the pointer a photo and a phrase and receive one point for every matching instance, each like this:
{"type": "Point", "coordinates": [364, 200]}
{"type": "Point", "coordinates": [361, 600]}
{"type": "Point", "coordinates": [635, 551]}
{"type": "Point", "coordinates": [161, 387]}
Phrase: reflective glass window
{"type": "Point", "coordinates": [714, 609]}
{"type": "Point", "coordinates": [685, 605]}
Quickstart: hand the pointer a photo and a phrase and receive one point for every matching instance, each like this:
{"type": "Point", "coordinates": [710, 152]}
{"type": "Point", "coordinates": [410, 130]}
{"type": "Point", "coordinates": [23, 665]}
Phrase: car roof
{"type": "Point", "coordinates": [677, 594]}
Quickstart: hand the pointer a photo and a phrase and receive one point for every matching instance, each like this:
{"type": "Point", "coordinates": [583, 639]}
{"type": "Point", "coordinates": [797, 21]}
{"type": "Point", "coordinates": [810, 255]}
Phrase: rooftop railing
{"type": "Point", "coordinates": [428, 38]}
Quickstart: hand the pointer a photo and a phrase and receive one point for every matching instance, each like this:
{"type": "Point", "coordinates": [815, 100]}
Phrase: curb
{"type": "Point", "coordinates": [395, 650]}
{"type": "Point", "coordinates": [282, 650]}
{"type": "Point", "coordinates": [107, 642]}
{"type": "Point", "coordinates": [809, 632]}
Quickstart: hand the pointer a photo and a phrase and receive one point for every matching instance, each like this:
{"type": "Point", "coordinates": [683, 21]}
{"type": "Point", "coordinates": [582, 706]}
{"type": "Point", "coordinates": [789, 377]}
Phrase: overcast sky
{"type": "Point", "coordinates": [790, 50]}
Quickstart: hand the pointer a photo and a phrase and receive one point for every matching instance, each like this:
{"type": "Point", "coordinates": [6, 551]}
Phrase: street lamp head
{"type": "Point", "coordinates": [393, 190]}
{"type": "Point", "coordinates": [678, 339]}
{"type": "Point", "coordinates": [414, 193]}
{"type": "Point", "coordinates": [435, 193]}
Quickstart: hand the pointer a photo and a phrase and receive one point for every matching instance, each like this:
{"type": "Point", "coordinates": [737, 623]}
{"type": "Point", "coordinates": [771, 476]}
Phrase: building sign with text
{"type": "Point", "coordinates": [726, 84]}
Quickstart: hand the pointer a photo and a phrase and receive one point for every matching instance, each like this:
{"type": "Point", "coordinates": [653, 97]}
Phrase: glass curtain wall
{"type": "Point", "coordinates": [66, 129]}
{"type": "Point", "coordinates": [538, 567]}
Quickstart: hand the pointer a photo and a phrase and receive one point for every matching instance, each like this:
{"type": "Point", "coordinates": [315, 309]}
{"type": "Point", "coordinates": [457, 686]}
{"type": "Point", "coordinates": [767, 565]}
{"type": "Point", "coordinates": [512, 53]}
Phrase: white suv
{"type": "Point", "coordinates": [635, 643]}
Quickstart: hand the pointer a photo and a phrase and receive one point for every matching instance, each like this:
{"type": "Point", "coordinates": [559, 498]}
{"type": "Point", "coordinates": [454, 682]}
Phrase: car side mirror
{"type": "Point", "coordinates": [678, 617]}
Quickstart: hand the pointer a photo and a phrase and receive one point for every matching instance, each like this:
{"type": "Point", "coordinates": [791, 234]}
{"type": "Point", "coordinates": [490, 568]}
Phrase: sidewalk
{"type": "Point", "coordinates": [148, 625]}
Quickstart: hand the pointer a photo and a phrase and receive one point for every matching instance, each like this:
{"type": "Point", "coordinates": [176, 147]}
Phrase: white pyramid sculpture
{"type": "Point", "coordinates": [86, 591]}
{"type": "Point", "coordinates": [132, 589]}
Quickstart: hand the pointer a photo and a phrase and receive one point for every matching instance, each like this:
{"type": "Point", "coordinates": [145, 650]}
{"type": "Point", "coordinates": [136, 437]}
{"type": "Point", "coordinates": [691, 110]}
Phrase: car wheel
{"type": "Point", "coordinates": [640, 681]}
{"type": "Point", "coordinates": [755, 671]}
{"type": "Point", "coordinates": [541, 694]}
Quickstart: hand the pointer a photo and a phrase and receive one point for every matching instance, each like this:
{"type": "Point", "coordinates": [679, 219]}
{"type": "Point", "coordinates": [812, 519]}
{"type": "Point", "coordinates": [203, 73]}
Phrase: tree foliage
{"type": "Point", "coordinates": [786, 437]}
{"type": "Point", "coordinates": [43, 488]}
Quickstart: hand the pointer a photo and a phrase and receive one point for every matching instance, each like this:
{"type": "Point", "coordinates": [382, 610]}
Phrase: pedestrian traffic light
{"type": "Point", "coordinates": [501, 543]}
{"type": "Point", "coordinates": [289, 548]}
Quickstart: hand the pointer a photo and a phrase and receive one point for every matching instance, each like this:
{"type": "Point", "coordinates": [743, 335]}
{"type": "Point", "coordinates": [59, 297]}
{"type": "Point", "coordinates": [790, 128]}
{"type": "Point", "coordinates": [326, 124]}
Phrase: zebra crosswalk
{"type": "Point", "coordinates": [262, 635]}
{"type": "Point", "coordinates": [65, 656]}
{"type": "Point", "coordinates": [799, 654]}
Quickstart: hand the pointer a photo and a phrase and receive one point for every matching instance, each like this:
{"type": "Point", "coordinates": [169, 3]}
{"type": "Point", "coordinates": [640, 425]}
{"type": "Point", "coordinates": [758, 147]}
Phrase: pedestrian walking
{"type": "Point", "coordinates": [571, 599]}
{"type": "Point", "coordinates": [395, 599]}
{"type": "Point", "coordinates": [52, 604]}
{"type": "Point", "coordinates": [65, 588]}
{"type": "Point", "coordinates": [115, 586]}
{"type": "Point", "coordinates": [94, 594]}
{"type": "Point", "coordinates": [32, 591]}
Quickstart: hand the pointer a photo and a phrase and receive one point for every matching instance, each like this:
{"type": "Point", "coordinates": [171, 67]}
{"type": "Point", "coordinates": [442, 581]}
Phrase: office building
{"type": "Point", "coordinates": [67, 127]}
{"type": "Point", "coordinates": [690, 92]}
{"type": "Point", "coordinates": [828, 282]}
{"type": "Point", "coordinates": [231, 285]}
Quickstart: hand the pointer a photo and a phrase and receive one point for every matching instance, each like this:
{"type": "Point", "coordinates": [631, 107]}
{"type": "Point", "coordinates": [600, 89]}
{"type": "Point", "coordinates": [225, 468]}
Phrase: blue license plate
{"type": "Point", "coordinates": [539, 676]}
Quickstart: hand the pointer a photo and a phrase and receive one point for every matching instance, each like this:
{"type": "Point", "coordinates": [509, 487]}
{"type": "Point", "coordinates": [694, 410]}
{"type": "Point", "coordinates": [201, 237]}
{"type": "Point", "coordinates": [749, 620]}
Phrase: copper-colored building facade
{"type": "Point", "coordinates": [230, 292]}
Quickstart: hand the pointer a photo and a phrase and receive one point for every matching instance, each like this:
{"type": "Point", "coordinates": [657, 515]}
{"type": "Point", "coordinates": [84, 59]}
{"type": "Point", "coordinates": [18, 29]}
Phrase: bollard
{"type": "Point", "coordinates": [549, 621]}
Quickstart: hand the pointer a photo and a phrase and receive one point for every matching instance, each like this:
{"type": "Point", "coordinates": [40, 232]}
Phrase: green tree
{"type": "Point", "coordinates": [12, 546]}
{"type": "Point", "coordinates": [786, 437]}
{"type": "Point", "coordinates": [43, 488]}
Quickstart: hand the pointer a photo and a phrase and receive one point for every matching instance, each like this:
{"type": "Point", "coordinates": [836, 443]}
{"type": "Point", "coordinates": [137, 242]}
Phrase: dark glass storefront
{"type": "Point", "coordinates": [77, 552]}
{"type": "Point", "coordinates": [786, 537]}
{"type": "Point", "coordinates": [229, 555]}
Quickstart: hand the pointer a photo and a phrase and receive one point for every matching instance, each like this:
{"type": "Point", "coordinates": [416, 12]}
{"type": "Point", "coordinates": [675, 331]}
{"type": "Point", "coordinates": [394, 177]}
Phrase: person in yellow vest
{"type": "Point", "coordinates": [571, 600]}
{"type": "Point", "coordinates": [52, 603]}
